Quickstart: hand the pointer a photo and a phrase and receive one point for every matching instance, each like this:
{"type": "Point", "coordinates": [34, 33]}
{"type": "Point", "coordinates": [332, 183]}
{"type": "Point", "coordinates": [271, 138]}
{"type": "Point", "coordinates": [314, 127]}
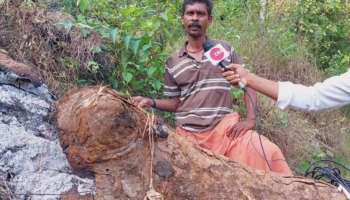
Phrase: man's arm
{"type": "Point", "coordinates": [242, 127]}
{"type": "Point", "coordinates": [237, 74]}
{"type": "Point", "coordinates": [169, 105]}
{"type": "Point", "coordinates": [250, 103]}
{"type": "Point", "coordinates": [333, 92]}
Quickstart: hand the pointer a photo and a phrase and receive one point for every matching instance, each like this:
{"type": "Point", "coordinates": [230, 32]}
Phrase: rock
{"type": "Point", "coordinates": [5, 191]}
{"type": "Point", "coordinates": [31, 157]}
{"type": "Point", "coordinates": [110, 137]}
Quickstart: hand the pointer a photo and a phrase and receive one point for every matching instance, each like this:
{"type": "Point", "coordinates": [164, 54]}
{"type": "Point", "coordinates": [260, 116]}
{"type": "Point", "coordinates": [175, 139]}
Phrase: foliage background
{"type": "Point", "coordinates": [125, 43]}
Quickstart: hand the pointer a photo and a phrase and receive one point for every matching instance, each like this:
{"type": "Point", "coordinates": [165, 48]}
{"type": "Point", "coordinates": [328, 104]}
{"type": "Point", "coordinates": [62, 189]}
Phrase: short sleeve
{"type": "Point", "coordinates": [171, 88]}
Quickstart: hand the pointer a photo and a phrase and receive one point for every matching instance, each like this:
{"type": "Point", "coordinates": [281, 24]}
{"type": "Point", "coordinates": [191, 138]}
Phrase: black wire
{"type": "Point", "coordinates": [328, 174]}
{"type": "Point", "coordinates": [257, 125]}
{"type": "Point", "coordinates": [327, 160]}
{"type": "Point", "coordinates": [262, 148]}
{"type": "Point", "coordinates": [333, 175]}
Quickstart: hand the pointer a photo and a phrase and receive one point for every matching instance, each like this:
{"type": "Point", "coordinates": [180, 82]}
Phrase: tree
{"type": "Point", "coordinates": [104, 134]}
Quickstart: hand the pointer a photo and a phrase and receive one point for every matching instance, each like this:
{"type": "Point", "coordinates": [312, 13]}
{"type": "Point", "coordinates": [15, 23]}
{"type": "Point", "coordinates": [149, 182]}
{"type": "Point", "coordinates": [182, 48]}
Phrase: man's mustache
{"type": "Point", "coordinates": [195, 25]}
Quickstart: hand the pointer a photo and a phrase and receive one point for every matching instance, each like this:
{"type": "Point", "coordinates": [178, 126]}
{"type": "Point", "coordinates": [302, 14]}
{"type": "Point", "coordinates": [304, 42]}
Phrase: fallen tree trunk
{"type": "Point", "coordinates": [103, 134]}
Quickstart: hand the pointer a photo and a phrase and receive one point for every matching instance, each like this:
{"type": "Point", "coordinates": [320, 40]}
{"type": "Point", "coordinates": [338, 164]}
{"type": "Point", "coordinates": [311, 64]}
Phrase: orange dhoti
{"type": "Point", "coordinates": [248, 149]}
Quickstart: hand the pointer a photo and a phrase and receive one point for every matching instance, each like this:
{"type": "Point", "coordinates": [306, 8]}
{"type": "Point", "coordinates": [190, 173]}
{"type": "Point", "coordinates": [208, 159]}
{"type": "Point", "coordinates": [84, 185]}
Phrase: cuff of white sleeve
{"type": "Point", "coordinates": [284, 94]}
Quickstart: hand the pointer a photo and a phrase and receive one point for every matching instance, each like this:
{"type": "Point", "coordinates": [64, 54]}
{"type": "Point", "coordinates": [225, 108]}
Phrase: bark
{"type": "Point", "coordinates": [102, 133]}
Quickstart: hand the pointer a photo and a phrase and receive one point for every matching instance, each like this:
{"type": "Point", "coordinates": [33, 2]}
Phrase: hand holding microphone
{"type": "Point", "coordinates": [237, 75]}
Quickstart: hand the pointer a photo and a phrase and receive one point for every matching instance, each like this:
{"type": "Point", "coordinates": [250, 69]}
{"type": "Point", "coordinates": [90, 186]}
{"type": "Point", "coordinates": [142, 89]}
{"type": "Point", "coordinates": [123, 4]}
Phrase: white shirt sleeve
{"type": "Point", "coordinates": [333, 92]}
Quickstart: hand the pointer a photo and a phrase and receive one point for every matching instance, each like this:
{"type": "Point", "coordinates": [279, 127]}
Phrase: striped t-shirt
{"type": "Point", "coordinates": [204, 93]}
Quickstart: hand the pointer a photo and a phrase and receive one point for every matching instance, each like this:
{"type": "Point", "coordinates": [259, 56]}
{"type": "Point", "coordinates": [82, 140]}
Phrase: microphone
{"type": "Point", "coordinates": [217, 55]}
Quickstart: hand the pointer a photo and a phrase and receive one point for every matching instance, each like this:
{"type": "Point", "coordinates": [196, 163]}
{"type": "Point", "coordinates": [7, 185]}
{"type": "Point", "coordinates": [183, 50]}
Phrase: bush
{"type": "Point", "coordinates": [325, 27]}
{"type": "Point", "coordinates": [136, 33]}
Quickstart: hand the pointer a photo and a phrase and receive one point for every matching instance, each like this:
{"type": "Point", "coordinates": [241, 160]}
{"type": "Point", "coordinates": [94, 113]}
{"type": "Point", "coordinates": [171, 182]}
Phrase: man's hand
{"type": "Point", "coordinates": [235, 74]}
{"type": "Point", "coordinates": [142, 102]}
{"type": "Point", "coordinates": [241, 128]}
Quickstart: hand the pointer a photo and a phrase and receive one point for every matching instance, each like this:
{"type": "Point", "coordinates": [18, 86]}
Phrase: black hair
{"type": "Point", "coordinates": [208, 3]}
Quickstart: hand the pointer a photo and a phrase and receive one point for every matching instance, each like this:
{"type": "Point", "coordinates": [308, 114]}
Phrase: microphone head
{"type": "Point", "coordinates": [215, 53]}
{"type": "Point", "coordinates": [208, 45]}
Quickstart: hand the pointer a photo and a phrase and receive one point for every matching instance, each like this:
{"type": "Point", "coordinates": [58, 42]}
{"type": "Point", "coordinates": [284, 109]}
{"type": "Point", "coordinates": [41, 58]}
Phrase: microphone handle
{"type": "Point", "coordinates": [223, 64]}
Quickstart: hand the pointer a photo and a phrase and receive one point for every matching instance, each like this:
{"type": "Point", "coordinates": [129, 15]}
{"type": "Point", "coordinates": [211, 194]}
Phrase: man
{"type": "Point", "coordinates": [201, 98]}
{"type": "Point", "coordinates": [333, 92]}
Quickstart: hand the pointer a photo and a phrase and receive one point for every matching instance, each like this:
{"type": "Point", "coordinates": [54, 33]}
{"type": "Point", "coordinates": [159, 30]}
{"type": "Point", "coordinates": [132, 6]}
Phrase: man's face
{"type": "Point", "coordinates": [196, 20]}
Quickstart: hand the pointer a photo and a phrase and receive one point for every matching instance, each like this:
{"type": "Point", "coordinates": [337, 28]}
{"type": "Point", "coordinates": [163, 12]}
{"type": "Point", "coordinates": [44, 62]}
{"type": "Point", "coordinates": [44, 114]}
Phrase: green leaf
{"type": "Point", "coordinates": [83, 26]}
{"type": "Point", "coordinates": [104, 31]}
{"type": "Point", "coordinates": [84, 82]}
{"type": "Point", "coordinates": [151, 71]}
{"type": "Point", "coordinates": [146, 47]}
{"type": "Point", "coordinates": [126, 12]}
{"type": "Point", "coordinates": [303, 166]}
{"type": "Point", "coordinates": [148, 23]}
{"type": "Point", "coordinates": [113, 80]}
{"type": "Point", "coordinates": [67, 24]}
{"type": "Point", "coordinates": [237, 94]}
{"type": "Point", "coordinates": [144, 59]}
{"type": "Point", "coordinates": [115, 35]}
{"type": "Point", "coordinates": [124, 60]}
{"type": "Point", "coordinates": [144, 54]}
{"type": "Point", "coordinates": [81, 18]}
{"type": "Point", "coordinates": [137, 66]}
{"type": "Point", "coordinates": [135, 46]}
{"type": "Point", "coordinates": [156, 85]}
{"type": "Point", "coordinates": [157, 25]}
{"type": "Point", "coordinates": [93, 66]}
{"type": "Point", "coordinates": [83, 5]}
{"type": "Point", "coordinates": [164, 15]}
{"type": "Point", "coordinates": [96, 49]}
{"type": "Point", "coordinates": [127, 76]}
{"type": "Point", "coordinates": [127, 40]}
